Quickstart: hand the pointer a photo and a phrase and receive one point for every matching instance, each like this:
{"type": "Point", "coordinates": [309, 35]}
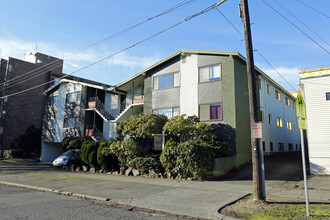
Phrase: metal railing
{"type": "Point", "coordinates": [97, 134]}
{"type": "Point", "coordinates": [101, 108]}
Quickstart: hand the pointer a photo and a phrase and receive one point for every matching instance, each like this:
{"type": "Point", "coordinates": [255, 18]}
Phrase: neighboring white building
{"type": "Point", "coordinates": [316, 88]}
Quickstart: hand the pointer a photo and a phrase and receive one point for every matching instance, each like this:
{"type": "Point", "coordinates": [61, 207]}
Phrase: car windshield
{"type": "Point", "coordinates": [68, 153]}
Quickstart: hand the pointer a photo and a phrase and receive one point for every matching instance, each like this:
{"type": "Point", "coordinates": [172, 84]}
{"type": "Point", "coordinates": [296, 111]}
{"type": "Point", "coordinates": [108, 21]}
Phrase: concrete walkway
{"type": "Point", "coordinates": [191, 198]}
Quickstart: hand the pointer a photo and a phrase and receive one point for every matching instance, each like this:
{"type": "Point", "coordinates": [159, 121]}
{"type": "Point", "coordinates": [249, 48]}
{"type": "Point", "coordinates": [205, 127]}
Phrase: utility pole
{"type": "Point", "coordinates": [256, 165]}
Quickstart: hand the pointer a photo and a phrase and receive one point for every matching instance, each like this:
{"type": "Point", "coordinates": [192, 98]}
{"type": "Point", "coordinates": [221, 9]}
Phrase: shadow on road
{"type": "Point", "coordinates": [284, 166]}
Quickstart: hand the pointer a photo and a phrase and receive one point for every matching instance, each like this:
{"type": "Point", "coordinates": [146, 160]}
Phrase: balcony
{"type": "Point", "coordinates": [138, 99]}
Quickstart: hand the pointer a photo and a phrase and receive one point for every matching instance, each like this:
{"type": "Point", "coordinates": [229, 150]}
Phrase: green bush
{"type": "Point", "coordinates": [192, 159]}
{"type": "Point", "coordinates": [144, 164]}
{"type": "Point", "coordinates": [89, 152]}
{"type": "Point", "coordinates": [106, 159]}
{"type": "Point", "coordinates": [126, 150]}
{"type": "Point", "coordinates": [5, 154]}
{"type": "Point", "coordinates": [70, 143]}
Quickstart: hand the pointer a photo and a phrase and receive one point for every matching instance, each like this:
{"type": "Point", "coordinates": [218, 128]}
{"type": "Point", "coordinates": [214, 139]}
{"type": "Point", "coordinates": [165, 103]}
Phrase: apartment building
{"type": "Point", "coordinates": [21, 110]}
{"type": "Point", "coordinates": [209, 84]}
{"type": "Point", "coordinates": [213, 86]}
{"type": "Point", "coordinates": [315, 86]}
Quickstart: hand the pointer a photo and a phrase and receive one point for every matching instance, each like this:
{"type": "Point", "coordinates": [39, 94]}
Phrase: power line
{"type": "Point", "coordinates": [255, 49]}
{"type": "Point", "coordinates": [127, 48]}
{"type": "Point", "coordinates": [302, 22]}
{"type": "Point", "coordinates": [176, 7]}
{"type": "Point", "coordinates": [327, 16]}
{"type": "Point", "coordinates": [296, 26]}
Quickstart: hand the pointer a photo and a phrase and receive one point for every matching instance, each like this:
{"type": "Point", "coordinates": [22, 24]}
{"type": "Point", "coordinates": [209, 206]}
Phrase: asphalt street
{"type": "Point", "coordinates": [18, 203]}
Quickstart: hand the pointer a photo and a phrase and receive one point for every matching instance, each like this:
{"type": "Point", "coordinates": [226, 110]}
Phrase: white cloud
{"type": "Point", "coordinates": [17, 49]}
{"type": "Point", "coordinates": [289, 74]}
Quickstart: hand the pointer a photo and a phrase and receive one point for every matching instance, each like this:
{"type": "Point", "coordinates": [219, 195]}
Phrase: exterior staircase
{"type": "Point", "coordinates": [99, 107]}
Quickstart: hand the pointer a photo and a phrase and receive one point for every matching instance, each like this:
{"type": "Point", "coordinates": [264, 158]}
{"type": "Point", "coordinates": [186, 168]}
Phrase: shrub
{"type": "Point", "coordinates": [192, 159]}
{"type": "Point", "coordinates": [126, 150]}
{"type": "Point", "coordinates": [106, 159]}
{"type": "Point", "coordinates": [144, 164]}
{"type": "Point", "coordinates": [89, 152]}
{"type": "Point", "coordinates": [70, 143]}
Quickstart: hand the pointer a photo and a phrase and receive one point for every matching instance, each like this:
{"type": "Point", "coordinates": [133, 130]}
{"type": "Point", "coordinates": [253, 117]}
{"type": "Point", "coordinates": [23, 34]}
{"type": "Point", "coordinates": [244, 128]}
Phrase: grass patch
{"type": "Point", "coordinates": [291, 211]}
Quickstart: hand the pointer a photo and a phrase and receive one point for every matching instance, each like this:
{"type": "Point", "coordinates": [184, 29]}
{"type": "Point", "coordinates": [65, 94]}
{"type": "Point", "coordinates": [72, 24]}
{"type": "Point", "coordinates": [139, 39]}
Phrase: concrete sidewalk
{"type": "Point", "coordinates": [191, 198]}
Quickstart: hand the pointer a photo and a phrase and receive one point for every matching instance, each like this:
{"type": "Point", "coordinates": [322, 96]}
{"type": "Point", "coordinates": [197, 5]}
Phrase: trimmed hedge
{"type": "Point", "coordinates": [106, 159]}
{"type": "Point", "coordinates": [89, 152]}
{"type": "Point", "coordinates": [144, 164]}
{"type": "Point", "coordinates": [193, 159]}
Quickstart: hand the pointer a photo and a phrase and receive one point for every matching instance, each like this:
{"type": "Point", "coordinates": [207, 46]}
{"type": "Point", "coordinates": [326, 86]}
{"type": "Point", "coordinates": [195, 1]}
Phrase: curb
{"type": "Point", "coordinates": [81, 196]}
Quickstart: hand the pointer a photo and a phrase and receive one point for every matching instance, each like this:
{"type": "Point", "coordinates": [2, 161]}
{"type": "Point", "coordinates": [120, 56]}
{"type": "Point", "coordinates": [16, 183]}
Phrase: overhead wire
{"type": "Point", "coordinates": [327, 16]}
{"type": "Point", "coordinates": [13, 83]}
{"type": "Point", "coordinates": [296, 27]}
{"type": "Point", "coordinates": [239, 32]}
{"type": "Point", "coordinates": [302, 23]}
{"type": "Point", "coordinates": [127, 48]}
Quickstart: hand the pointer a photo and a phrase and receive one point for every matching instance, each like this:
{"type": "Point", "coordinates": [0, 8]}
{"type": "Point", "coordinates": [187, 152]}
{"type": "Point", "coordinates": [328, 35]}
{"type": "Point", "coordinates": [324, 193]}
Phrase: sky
{"type": "Point", "coordinates": [60, 28]}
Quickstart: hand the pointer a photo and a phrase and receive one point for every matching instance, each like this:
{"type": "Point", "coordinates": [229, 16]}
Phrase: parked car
{"type": "Point", "coordinates": [68, 158]}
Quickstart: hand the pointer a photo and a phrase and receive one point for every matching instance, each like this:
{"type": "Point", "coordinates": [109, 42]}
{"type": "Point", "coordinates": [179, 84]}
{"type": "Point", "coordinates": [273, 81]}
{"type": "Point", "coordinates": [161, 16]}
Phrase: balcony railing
{"type": "Point", "coordinates": [93, 131]}
{"type": "Point", "coordinates": [94, 102]}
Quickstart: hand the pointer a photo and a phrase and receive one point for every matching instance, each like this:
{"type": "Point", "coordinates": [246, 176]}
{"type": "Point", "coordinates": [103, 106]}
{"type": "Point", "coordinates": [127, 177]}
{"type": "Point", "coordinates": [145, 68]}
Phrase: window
{"type": "Point", "coordinates": [270, 119]}
{"type": "Point", "coordinates": [268, 89]}
{"type": "Point", "coordinates": [168, 112]}
{"type": "Point", "coordinates": [289, 125]}
{"type": "Point", "coordinates": [73, 97]}
{"type": "Point", "coordinates": [295, 127]}
{"type": "Point", "coordinates": [279, 122]}
{"type": "Point", "coordinates": [210, 73]}
{"type": "Point", "coordinates": [290, 147]}
{"type": "Point", "coordinates": [53, 100]}
{"type": "Point", "coordinates": [263, 146]}
{"type": "Point", "coordinates": [69, 123]}
{"type": "Point", "coordinates": [262, 116]}
{"type": "Point", "coordinates": [5, 99]}
{"type": "Point", "coordinates": [280, 146]}
{"type": "Point", "coordinates": [260, 84]}
{"type": "Point", "coordinates": [10, 67]}
{"type": "Point", "coordinates": [210, 112]}
{"type": "Point", "coordinates": [287, 101]}
{"type": "Point", "coordinates": [327, 95]}
{"type": "Point", "coordinates": [271, 146]}
{"type": "Point", "coordinates": [7, 83]}
{"type": "Point", "coordinates": [166, 81]}
{"type": "Point", "coordinates": [278, 95]}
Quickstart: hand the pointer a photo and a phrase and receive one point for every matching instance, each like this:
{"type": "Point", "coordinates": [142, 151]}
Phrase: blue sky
{"type": "Point", "coordinates": [60, 27]}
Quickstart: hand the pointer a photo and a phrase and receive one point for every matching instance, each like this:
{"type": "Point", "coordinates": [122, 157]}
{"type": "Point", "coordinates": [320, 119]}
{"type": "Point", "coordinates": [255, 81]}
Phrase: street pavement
{"type": "Point", "coordinates": [201, 199]}
{"type": "Point", "coordinates": [19, 203]}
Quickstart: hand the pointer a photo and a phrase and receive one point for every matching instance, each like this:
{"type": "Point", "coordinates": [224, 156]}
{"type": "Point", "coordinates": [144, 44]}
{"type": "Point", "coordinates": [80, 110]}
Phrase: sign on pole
{"type": "Point", "coordinates": [256, 130]}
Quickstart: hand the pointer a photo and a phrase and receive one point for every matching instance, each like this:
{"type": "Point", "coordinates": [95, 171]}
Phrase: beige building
{"type": "Point", "coordinates": [316, 91]}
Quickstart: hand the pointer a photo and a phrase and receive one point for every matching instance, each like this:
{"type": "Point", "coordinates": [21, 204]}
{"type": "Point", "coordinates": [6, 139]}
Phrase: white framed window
{"type": "Point", "coordinates": [70, 122]}
{"type": "Point", "coordinates": [260, 84]}
{"type": "Point", "coordinates": [268, 89]}
{"type": "Point", "coordinates": [73, 97]}
{"type": "Point", "coordinates": [168, 112]}
{"type": "Point", "coordinates": [210, 73]}
{"type": "Point", "coordinates": [165, 81]}
{"type": "Point", "coordinates": [210, 112]}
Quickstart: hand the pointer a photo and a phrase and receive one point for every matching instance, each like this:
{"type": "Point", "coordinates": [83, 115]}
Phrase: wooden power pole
{"type": "Point", "coordinates": [256, 165]}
